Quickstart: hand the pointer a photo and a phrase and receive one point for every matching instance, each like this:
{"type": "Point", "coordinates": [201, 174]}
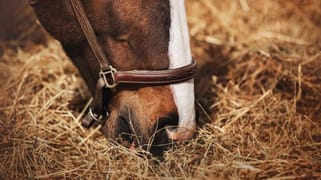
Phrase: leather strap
{"type": "Point", "coordinates": [97, 112]}
{"type": "Point", "coordinates": [169, 76]}
{"type": "Point", "coordinates": [89, 33]}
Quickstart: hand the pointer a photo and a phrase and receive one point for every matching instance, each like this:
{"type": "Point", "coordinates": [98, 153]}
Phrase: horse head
{"type": "Point", "coordinates": [134, 35]}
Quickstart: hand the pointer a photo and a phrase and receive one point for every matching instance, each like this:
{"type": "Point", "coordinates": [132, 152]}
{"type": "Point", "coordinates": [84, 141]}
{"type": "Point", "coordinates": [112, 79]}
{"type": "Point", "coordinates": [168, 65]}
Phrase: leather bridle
{"type": "Point", "coordinates": [110, 77]}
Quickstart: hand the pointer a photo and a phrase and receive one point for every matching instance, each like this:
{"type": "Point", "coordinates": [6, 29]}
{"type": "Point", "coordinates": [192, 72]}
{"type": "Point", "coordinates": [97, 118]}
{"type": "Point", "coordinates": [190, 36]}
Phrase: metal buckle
{"type": "Point", "coordinates": [111, 73]}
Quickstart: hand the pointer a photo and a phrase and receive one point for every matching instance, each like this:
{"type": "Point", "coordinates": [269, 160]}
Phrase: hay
{"type": "Point", "coordinates": [259, 83]}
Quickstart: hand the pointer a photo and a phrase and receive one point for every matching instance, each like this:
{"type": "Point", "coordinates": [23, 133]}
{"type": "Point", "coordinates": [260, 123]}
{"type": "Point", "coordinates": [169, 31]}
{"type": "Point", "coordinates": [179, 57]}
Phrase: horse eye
{"type": "Point", "coordinates": [33, 2]}
{"type": "Point", "coordinates": [121, 38]}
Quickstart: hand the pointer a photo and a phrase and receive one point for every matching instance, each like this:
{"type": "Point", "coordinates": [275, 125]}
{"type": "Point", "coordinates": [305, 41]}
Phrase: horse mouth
{"type": "Point", "coordinates": [152, 139]}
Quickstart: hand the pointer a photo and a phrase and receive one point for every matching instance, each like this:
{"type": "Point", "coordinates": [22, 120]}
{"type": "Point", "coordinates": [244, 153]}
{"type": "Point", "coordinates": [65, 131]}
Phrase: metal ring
{"type": "Point", "coordinates": [95, 117]}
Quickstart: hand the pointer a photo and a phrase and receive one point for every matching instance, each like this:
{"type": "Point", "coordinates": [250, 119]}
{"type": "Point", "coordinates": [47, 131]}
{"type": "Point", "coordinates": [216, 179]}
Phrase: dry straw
{"type": "Point", "coordinates": [258, 95]}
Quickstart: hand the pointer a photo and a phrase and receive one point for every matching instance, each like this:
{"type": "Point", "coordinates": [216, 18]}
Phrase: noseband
{"type": "Point", "coordinates": [109, 77]}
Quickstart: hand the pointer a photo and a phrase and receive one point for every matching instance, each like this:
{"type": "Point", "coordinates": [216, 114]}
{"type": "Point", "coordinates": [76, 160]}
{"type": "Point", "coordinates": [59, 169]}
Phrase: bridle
{"type": "Point", "coordinates": [110, 77]}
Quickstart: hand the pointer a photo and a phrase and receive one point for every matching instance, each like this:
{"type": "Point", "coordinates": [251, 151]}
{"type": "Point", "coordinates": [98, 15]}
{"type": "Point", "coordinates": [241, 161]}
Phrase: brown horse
{"type": "Point", "coordinates": [134, 35]}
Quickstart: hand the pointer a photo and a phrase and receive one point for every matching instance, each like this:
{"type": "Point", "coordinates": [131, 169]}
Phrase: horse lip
{"type": "Point", "coordinates": [180, 134]}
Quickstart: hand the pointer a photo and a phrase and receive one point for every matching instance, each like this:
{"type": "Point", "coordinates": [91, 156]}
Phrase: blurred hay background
{"type": "Point", "coordinates": [258, 91]}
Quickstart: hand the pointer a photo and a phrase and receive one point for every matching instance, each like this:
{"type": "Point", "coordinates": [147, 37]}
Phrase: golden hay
{"type": "Point", "coordinates": [259, 81]}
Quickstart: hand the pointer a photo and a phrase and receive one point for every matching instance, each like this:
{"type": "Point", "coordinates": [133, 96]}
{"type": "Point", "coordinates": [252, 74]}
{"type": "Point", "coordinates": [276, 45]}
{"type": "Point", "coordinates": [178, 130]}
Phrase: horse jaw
{"type": "Point", "coordinates": [180, 55]}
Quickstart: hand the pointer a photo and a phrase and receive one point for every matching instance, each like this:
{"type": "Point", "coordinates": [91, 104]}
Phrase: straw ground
{"type": "Point", "coordinates": [258, 95]}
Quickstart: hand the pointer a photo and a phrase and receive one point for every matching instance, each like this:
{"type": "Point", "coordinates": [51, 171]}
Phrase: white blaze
{"type": "Point", "coordinates": [180, 55]}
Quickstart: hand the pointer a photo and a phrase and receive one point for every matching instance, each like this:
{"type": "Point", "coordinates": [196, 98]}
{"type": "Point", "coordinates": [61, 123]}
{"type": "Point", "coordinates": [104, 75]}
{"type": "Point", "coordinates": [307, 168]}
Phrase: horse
{"type": "Point", "coordinates": [136, 60]}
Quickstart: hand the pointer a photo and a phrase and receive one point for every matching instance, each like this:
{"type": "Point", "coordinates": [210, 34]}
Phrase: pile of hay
{"type": "Point", "coordinates": [258, 91]}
